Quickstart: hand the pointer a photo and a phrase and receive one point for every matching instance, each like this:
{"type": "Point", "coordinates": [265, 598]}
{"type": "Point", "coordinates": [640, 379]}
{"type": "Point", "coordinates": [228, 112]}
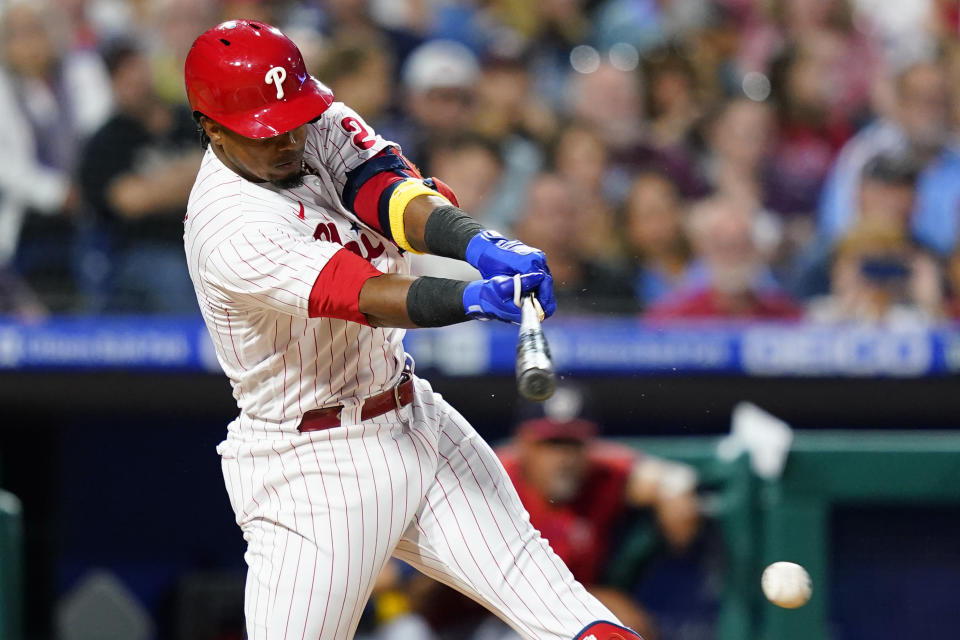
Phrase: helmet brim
{"type": "Point", "coordinates": [280, 117]}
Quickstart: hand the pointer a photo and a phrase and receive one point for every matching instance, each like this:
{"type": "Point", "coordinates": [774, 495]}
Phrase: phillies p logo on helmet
{"type": "Point", "coordinates": [251, 78]}
{"type": "Point", "coordinates": [276, 75]}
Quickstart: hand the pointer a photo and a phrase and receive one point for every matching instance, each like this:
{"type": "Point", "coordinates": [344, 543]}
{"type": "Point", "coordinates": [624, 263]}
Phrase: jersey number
{"type": "Point", "coordinates": [363, 138]}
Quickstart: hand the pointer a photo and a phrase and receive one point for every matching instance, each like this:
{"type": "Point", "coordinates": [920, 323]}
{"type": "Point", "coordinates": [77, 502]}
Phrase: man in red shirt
{"type": "Point", "coordinates": [576, 489]}
{"type": "Point", "coordinates": [731, 276]}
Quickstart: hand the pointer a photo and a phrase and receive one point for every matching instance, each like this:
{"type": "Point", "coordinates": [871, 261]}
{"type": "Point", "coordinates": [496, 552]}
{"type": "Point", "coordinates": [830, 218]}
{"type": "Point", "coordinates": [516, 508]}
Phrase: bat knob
{"type": "Point", "coordinates": [536, 384]}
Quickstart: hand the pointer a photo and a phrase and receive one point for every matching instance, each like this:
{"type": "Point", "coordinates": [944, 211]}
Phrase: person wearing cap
{"type": "Point", "coordinates": [878, 273]}
{"type": "Point", "coordinates": [297, 236]}
{"type": "Point", "coordinates": [577, 489]}
{"type": "Point", "coordinates": [886, 200]}
{"type": "Point", "coordinates": [916, 122]}
{"type": "Point", "coordinates": [438, 80]}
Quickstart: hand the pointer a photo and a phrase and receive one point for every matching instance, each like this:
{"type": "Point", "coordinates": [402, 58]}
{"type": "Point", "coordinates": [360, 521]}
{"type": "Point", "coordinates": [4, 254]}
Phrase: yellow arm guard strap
{"type": "Point", "coordinates": [404, 192]}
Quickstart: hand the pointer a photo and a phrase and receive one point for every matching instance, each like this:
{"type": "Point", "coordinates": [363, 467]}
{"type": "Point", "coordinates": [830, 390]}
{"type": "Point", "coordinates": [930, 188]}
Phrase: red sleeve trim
{"type": "Point", "coordinates": [336, 292]}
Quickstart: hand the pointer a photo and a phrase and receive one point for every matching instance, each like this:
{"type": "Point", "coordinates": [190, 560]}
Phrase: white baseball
{"type": "Point", "coordinates": [786, 585]}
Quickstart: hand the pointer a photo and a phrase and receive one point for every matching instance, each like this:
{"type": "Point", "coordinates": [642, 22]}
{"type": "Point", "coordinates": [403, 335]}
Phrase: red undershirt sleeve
{"type": "Point", "coordinates": [336, 291]}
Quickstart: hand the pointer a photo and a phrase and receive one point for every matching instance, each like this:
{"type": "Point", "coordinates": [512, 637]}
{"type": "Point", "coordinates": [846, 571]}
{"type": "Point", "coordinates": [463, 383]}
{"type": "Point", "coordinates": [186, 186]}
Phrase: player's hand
{"type": "Point", "coordinates": [494, 255]}
{"type": "Point", "coordinates": [496, 298]}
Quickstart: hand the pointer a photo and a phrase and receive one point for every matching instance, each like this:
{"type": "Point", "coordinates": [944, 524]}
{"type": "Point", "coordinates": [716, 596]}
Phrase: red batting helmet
{"type": "Point", "coordinates": [250, 78]}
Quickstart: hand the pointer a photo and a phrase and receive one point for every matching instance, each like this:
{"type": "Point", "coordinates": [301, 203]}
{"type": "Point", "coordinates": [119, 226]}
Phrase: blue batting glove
{"type": "Point", "coordinates": [545, 296]}
{"type": "Point", "coordinates": [495, 298]}
{"type": "Point", "coordinates": [494, 255]}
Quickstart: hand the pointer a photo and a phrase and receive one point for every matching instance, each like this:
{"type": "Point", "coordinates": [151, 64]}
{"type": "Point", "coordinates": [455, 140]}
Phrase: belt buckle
{"type": "Point", "coordinates": [405, 376]}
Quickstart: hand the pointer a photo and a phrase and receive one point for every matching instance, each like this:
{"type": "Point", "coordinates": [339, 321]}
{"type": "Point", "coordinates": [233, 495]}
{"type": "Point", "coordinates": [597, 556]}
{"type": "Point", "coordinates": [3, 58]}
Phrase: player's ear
{"type": "Point", "coordinates": [212, 128]}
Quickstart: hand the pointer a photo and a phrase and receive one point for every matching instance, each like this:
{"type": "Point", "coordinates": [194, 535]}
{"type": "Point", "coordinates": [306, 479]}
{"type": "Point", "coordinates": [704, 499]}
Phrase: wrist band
{"type": "Point", "coordinates": [436, 302]}
{"type": "Point", "coordinates": [448, 232]}
{"type": "Point", "coordinates": [402, 194]}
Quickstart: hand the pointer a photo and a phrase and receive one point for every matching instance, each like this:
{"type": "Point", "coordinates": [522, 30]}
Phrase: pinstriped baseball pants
{"type": "Point", "coordinates": [322, 513]}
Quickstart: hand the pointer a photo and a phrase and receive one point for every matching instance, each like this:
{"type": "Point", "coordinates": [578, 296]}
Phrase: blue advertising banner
{"type": "Point", "coordinates": [580, 346]}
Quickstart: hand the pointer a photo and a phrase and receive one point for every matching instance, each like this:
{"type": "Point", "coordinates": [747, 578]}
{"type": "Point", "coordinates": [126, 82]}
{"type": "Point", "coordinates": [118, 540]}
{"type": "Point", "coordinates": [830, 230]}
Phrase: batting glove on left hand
{"type": "Point", "coordinates": [495, 298]}
{"type": "Point", "coordinates": [494, 255]}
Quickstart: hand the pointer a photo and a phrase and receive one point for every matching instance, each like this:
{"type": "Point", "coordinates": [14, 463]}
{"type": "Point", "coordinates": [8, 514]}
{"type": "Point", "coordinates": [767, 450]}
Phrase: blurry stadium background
{"type": "Point", "coordinates": [741, 200]}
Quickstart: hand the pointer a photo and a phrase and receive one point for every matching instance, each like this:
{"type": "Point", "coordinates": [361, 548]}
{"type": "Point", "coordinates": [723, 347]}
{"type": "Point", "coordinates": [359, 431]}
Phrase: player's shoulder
{"type": "Point", "coordinates": [333, 113]}
{"type": "Point", "coordinates": [326, 124]}
{"type": "Point", "coordinates": [221, 202]}
{"type": "Point", "coordinates": [343, 132]}
{"type": "Point", "coordinates": [217, 184]}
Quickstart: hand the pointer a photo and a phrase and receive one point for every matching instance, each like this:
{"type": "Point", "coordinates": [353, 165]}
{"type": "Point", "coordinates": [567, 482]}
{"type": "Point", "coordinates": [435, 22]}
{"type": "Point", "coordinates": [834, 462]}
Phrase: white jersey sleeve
{"type": "Point", "coordinates": [263, 265]}
{"type": "Point", "coordinates": [341, 141]}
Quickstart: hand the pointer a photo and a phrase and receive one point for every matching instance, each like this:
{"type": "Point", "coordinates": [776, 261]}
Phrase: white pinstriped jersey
{"type": "Point", "coordinates": [254, 252]}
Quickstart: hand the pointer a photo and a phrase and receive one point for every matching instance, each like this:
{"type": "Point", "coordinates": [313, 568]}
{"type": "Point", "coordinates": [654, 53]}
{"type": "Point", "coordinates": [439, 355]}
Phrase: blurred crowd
{"type": "Point", "coordinates": [788, 159]}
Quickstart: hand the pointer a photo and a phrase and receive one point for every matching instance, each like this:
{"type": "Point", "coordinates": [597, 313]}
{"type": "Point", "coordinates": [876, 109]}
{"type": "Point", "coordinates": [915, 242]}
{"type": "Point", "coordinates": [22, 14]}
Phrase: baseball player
{"type": "Point", "coordinates": [297, 234]}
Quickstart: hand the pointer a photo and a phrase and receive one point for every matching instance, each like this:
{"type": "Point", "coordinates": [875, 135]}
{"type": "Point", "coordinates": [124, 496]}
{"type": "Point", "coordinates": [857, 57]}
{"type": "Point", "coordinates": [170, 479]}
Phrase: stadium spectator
{"type": "Point", "coordinates": [646, 24]}
{"type": "Point", "coordinates": [581, 160]}
{"type": "Point", "coordinates": [945, 19]}
{"type": "Point", "coordinates": [730, 278]}
{"type": "Point", "coordinates": [657, 87]}
{"type": "Point", "coordinates": [673, 97]}
{"type": "Point", "coordinates": [785, 22]}
{"type": "Point", "coordinates": [506, 102]}
{"type": "Point", "coordinates": [248, 10]}
{"type": "Point", "coordinates": [511, 113]}
{"type": "Point", "coordinates": [713, 50]}
{"type": "Point", "coordinates": [439, 81]}
{"type": "Point", "coordinates": [953, 286]}
{"type": "Point", "coordinates": [810, 132]}
{"type": "Point", "coordinates": [585, 495]}
{"type": "Point", "coordinates": [952, 65]}
{"type": "Point", "coordinates": [919, 124]}
{"type": "Point", "coordinates": [169, 30]}
{"type": "Point", "coordinates": [881, 277]}
{"type": "Point", "coordinates": [83, 34]}
{"type": "Point", "coordinates": [903, 31]}
{"type": "Point", "coordinates": [360, 73]}
{"type": "Point", "coordinates": [136, 174]}
{"type": "Point", "coordinates": [886, 198]}
{"type": "Point", "coordinates": [739, 139]}
{"type": "Point", "coordinates": [50, 100]}
{"type": "Point", "coordinates": [560, 23]}
{"type": "Point", "coordinates": [620, 124]}
{"type": "Point", "coordinates": [473, 169]}
{"type": "Point", "coordinates": [399, 25]}
{"type": "Point", "coordinates": [656, 243]}
{"type": "Point", "coordinates": [471, 166]}
{"type": "Point", "coordinates": [578, 489]}
{"type": "Point", "coordinates": [550, 218]}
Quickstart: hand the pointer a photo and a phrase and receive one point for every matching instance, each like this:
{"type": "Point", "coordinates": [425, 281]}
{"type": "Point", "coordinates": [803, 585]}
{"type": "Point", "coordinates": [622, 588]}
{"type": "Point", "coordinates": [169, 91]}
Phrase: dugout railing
{"type": "Point", "coordinates": [788, 518]}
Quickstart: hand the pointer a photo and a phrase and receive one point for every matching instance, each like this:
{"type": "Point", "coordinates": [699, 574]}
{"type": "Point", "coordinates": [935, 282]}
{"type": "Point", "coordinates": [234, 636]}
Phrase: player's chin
{"type": "Point", "coordinates": [289, 179]}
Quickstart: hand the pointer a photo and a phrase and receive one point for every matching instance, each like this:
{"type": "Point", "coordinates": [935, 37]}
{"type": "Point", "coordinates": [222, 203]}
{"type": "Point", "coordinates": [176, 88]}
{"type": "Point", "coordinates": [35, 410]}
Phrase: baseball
{"type": "Point", "coordinates": [786, 585]}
